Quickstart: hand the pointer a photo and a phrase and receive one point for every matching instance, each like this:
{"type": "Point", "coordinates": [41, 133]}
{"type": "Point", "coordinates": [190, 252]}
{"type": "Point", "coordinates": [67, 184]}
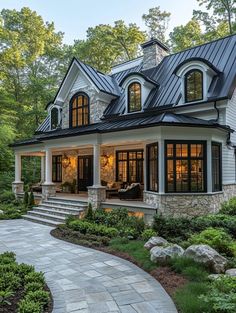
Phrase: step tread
{"type": "Point", "coordinates": [42, 209]}
{"type": "Point", "coordinates": [49, 202]}
{"type": "Point", "coordinates": [66, 209]}
{"type": "Point", "coordinates": [38, 219]}
{"type": "Point", "coordinates": [53, 216]}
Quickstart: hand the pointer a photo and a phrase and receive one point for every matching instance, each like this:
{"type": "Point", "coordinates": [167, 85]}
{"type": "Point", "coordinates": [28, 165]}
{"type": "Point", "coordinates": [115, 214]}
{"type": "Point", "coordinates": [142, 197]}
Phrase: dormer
{"type": "Point", "coordinates": [196, 77]}
{"type": "Point", "coordinates": [54, 113]}
{"type": "Point", "coordinates": [136, 88]}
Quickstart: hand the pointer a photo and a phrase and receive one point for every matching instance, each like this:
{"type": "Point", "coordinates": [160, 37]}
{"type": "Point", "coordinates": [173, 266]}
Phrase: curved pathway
{"type": "Point", "coordinates": [83, 280]}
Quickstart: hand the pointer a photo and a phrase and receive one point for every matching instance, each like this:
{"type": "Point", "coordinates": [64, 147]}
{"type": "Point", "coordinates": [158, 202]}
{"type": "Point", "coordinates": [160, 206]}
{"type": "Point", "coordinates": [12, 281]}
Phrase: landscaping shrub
{"type": "Point", "coordinates": [148, 233]}
{"type": "Point", "coordinates": [33, 287]}
{"type": "Point", "coordinates": [38, 296]}
{"type": "Point", "coordinates": [85, 227]}
{"type": "Point", "coordinates": [221, 296]}
{"type": "Point", "coordinates": [217, 239]}
{"type": "Point", "coordinates": [173, 229]}
{"type": "Point", "coordinates": [31, 202]}
{"type": "Point", "coordinates": [26, 198]}
{"type": "Point", "coordinates": [10, 211]}
{"type": "Point", "coordinates": [29, 307]}
{"type": "Point", "coordinates": [89, 215]}
{"type": "Point", "coordinates": [7, 197]}
{"type": "Point", "coordinates": [229, 207]}
{"type": "Point", "coordinates": [34, 277]}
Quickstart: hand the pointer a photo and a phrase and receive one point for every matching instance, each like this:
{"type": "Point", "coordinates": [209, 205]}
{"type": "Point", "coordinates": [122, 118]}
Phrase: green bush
{"type": "Point", "coordinates": [85, 227]}
{"type": "Point", "coordinates": [7, 257]}
{"type": "Point", "coordinates": [89, 213]}
{"type": "Point", "coordinates": [148, 233]}
{"type": "Point", "coordinates": [34, 277]}
{"type": "Point", "coordinates": [173, 229]}
{"type": "Point", "coordinates": [29, 307]}
{"type": "Point", "coordinates": [26, 198]}
{"type": "Point", "coordinates": [31, 202]}
{"type": "Point", "coordinates": [229, 207]}
{"type": "Point", "coordinates": [38, 296]}
{"type": "Point", "coordinates": [9, 281]}
{"type": "Point", "coordinates": [33, 287]}
{"type": "Point", "coordinates": [7, 197]}
{"type": "Point", "coordinates": [217, 239]}
{"type": "Point", "coordinates": [221, 297]}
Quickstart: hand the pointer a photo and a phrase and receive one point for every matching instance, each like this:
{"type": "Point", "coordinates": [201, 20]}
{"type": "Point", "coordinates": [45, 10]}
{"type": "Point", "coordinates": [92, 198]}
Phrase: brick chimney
{"type": "Point", "coordinates": [153, 53]}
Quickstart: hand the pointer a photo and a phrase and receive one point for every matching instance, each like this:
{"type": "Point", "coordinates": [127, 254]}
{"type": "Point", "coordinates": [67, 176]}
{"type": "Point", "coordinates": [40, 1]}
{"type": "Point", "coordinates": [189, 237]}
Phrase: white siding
{"type": "Point", "coordinates": [228, 153]}
{"type": "Point", "coordinates": [79, 83]}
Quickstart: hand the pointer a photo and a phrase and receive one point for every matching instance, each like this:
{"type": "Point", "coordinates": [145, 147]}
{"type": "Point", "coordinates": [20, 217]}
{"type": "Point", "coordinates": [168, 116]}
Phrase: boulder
{"type": "Point", "coordinates": [155, 241]}
{"type": "Point", "coordinates": [208, 256]}
{"type": "Point", "coordinates": [162, 254]}
{"type": "Point", "coordinates": [215, 276]}
{"type": "Point", "coordinates": [231, 272]}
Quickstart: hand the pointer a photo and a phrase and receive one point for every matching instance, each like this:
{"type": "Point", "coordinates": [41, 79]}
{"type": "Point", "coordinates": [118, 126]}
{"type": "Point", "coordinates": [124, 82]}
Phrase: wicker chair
{"type": "Point", "coordinates": [131, 192]}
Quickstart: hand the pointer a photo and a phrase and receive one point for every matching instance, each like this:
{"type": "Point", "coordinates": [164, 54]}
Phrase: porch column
{"type": "Point", "coordinates": [42, 169]}
{"type": "Point", "coordinates": [48, 187]}
{"type": "Point", "coordinates": [96, 165]}
{"type": "Point", "coordinates": [96, 193]}
{"type": "Point", "coordinates": [17, 185]}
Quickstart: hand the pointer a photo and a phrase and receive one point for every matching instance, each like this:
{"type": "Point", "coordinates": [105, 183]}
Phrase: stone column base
{"type": "Point", "coordinates": [17, 187]}
{"type": "Point", "coordinates": [96, 195]}
{"type": "Point", "coordinates": [48, 190]}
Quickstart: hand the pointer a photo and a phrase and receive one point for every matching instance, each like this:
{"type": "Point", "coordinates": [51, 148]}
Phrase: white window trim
{"type": "Point", "coordinates": [207, 76]}
{"type": "Point", "coordinates": [59, 115]}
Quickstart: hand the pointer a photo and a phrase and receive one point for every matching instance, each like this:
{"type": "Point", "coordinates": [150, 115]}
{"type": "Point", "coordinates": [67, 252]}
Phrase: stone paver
{"type": "Point", "coordinates": [83, 280]}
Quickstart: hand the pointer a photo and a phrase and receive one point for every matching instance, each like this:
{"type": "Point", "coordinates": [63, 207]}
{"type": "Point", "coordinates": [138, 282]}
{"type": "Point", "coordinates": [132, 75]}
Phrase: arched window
{"type": "Point", "coordinates": [134, 97]}
{"type": "Point", "coordinates": [54, 118]}
{"type": "Point", "coordinates": [79, 110]}
{"type": "Point", "coordinates": [193, 85]}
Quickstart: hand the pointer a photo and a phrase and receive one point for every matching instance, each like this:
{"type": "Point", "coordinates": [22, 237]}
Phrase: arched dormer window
{"type": "Point", "coordinates": [54, 118]}
{"type": "Point", "coordinates": [193, 81]}
{"type": "Point", "coordinates": [79, 110]}
{"type": "Point", "coordinates": [134, 97]}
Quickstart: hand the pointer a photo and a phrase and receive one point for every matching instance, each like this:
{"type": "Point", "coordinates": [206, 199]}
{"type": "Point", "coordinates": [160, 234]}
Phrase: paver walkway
{"type": "Point", "coordinates": [83, 280]}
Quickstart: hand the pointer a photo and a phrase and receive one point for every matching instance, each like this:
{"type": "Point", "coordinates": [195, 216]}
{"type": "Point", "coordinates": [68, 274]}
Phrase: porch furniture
{"type": "Point", "coordinates": [131, 192]}
{"type": "Point", "coordinates": [112, 193]}
{"type": "Point", "coordinates": [37, 188]}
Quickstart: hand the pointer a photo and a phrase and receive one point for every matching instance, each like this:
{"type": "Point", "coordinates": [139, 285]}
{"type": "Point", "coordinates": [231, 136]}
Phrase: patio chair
{"type": "Point", "coordinates": [131, 192]}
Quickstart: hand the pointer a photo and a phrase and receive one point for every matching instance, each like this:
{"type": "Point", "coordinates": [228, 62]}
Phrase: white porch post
{"type": "Point", "coordinates": [42, 169]}
{"type": "Point", "coordinates": [96, 165]}
{"type": "Point", "coordinates": [96, 193]}
{"type": "Point", "coordinates": [48, 166]}
{"type": "Point", "coordinates": [48, 187]}
{"type": "Point", "coordinates": [17, 185]}
{"type": "Point", "coordinates": [17, 168]}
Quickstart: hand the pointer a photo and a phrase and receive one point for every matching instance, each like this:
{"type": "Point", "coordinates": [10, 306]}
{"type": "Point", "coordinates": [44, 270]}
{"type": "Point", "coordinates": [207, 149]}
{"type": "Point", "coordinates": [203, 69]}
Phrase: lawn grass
{"type": "Point", "coordinates": [135, 248]}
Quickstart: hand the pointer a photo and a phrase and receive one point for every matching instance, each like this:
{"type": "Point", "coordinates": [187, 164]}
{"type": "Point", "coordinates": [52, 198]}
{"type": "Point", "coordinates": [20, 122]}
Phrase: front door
{"type": "Point", "coordinates": [85, 172]}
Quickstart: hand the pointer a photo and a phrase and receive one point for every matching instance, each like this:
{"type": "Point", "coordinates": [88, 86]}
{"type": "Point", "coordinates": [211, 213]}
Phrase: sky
{"type": "Point", "coordinates": [73, 17]}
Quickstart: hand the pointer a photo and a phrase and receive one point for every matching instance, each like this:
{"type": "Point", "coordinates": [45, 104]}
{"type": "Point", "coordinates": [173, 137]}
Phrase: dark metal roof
{"type": "Point", "coordinates": [131, 122]}
{"type": "Point", "coordinates": [45, 126]}
{"type": "Point", "coordinates": [220, 55]}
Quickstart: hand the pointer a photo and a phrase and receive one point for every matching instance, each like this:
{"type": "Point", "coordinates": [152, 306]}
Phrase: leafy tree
{"type": "Point", "coordinates": [223, 11]}
{"type": "Point", "coordinates": [186, 36]}
{"type": "Point", "coordinates": [157, 22]}
{"type": "Point", "coordinates": [107, 45]}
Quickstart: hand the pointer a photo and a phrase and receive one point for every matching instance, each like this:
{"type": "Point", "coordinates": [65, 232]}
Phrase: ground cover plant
{"type": "Point", "coordinates": [22, 290]}
{"type": "Point", "coordinates": [188, 282]}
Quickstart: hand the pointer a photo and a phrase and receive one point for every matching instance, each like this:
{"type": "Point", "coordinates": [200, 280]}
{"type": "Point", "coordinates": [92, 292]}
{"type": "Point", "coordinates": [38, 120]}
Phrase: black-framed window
{"type": "Point", "coordinates": [216, 149]}
{"type": "Point", "coordinates": [152, 167]}
{"type": "Point", "coordinates": [129, 166]}
{"type": "Point", "coordinates": [57, 168]}
{"type": "Point", "coordinates": [54, 118]}
{"type": "Point", "coordinates": [134, 97]}
{"type": "Point", "coordinates": [79, 110]}
{"type": "Point", "coordinates": [193, 85]}
{"type": "Point", "coordinates": [185, 166]}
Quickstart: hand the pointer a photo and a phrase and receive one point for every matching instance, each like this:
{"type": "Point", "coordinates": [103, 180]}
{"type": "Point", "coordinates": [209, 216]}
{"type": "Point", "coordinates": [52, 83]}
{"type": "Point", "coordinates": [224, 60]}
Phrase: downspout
{"type": "Point", "coordinates": [217, 111]}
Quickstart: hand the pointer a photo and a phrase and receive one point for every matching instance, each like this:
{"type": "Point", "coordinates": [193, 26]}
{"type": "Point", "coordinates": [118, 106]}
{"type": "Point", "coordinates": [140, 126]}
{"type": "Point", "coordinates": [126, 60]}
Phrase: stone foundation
{"type": "Point", "coordinates": [96, 195]}
{"type": "Point", "coordinates": [189, 205]}
{"type": "Point", "coordinates": [48, 190]}
{"type": "Point", "coordinates": [17, 187]}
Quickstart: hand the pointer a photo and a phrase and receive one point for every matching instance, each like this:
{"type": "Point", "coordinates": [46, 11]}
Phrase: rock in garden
{"type": "Point", "coordinates": [231, 272]}
{"type": "Point", "coordinates": [208, 256]}
{"type": "Point", "coordinates": [155, 241]}
{"type": "Point", "coordinates": [215, 276]}
{"type": "Point", "coordinates": [162, 254]}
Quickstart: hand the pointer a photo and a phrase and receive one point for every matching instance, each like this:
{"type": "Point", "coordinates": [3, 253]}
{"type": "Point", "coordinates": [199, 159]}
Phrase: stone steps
{"type": "Point", "coordinates": [54, 211]}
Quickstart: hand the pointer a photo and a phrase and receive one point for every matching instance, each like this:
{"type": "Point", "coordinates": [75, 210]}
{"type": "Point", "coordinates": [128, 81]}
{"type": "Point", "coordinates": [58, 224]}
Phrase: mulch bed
{"type": "Point", "coordinates": [14, 300]}
{"type": "Point", "coordinates": [169, 280]}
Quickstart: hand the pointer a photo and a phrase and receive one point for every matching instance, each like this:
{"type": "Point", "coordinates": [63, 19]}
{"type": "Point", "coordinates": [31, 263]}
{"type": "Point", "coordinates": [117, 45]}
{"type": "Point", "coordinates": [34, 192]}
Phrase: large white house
{"type": "Point", "coordinates": [162, 125]}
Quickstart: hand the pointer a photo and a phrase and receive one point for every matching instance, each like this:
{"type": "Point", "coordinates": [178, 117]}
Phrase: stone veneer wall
{"type": "Point", "coordinates": [189, 205]}
{"type": "Point", "coordinates": [152, 56]}
{"type": "Point", "coordinates": [97, 106]}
